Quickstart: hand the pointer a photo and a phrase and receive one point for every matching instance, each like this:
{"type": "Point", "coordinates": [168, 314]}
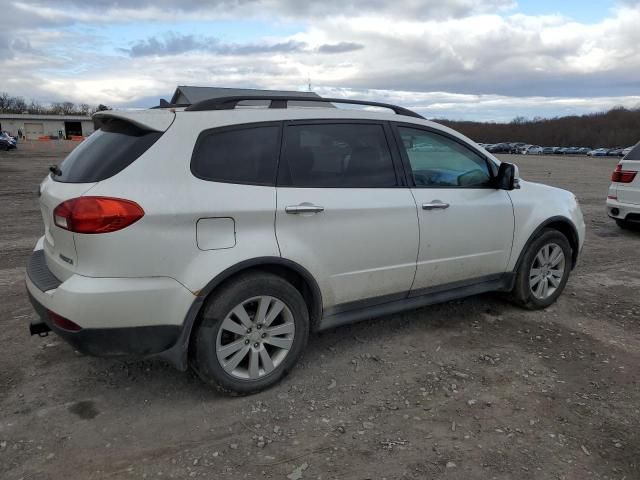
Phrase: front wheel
{"type": "Point", "coordinates": [544, 271]}
{"type": "Point", "coordinates": [253, 331]}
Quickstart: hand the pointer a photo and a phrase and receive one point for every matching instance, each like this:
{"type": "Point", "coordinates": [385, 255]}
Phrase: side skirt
{"type": "Point", "coordinates": [445, 293]}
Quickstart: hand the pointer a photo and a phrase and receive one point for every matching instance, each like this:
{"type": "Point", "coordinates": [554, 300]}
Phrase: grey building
{"type": "Point", "coordinates": [33, 125]}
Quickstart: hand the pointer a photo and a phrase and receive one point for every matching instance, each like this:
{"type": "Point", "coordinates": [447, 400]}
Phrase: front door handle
{"type": "Point", "coordinates": [435, 205]}
{"type": "Point", "coordinates": [303, 208]}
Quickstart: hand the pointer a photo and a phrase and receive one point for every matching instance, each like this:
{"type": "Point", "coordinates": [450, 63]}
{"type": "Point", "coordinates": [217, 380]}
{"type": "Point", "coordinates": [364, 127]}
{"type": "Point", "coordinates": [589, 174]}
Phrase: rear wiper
{"type": "Point", "coordinates": [55, 170]}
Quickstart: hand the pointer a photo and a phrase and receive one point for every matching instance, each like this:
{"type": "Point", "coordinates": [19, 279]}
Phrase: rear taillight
{"type": "Point", "coordinates": [96, 214]}
{"type": "Point", "coordinates": [622, 176]}
{"type": "Point", "coordinates": [63, 323]}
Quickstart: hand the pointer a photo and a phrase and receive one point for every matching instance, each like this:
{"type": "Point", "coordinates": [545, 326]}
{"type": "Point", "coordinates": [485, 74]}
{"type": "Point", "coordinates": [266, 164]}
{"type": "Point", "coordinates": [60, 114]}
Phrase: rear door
{"type": "Point", "coordinates": [344, 213]}
{"type": "Point", "coordinates": [466, 224]}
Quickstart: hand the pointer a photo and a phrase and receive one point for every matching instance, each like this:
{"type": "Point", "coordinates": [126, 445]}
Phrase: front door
{"type": "Point", "coordinates": [344, 214]}
{"type": "Point", "coordinates": [466, 224]}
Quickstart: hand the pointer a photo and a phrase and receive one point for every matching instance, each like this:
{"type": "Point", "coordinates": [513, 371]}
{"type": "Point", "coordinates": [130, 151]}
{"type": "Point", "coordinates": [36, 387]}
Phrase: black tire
{"type": "Point", "coordinates": [205, 360]}
{"type": "Point", "coordinates": [622, 223]}
{"type": "Point", "coordinates": [522, 293]}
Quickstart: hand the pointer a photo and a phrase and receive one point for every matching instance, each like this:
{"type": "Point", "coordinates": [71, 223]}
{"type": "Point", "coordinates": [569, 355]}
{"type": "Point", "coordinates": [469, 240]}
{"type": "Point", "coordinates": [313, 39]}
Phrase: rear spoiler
{"type": "Point", "coordinates": [155, 120]}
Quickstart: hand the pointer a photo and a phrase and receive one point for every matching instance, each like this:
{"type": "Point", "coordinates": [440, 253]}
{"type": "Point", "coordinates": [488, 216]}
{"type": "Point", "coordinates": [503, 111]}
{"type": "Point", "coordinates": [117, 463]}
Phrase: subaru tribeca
{"type": "Point", "coordinates": [219, 236]}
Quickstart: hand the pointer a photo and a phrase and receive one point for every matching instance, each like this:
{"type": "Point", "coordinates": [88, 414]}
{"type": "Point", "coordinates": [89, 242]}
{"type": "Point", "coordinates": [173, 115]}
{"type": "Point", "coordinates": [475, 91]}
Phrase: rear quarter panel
{"type": "Point", "coordinates": [163, 242]}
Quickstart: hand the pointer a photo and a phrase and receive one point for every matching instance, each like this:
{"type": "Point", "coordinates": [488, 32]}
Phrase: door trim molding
{"type": "Point", "coordinates": [359, 310]}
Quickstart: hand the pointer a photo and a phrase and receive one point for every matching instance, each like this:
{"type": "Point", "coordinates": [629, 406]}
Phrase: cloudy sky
{"type": "Point", "coordinates": [457, 59]}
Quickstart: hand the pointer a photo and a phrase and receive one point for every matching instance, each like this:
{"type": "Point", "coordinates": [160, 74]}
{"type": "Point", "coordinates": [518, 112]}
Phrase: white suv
{"type": "Point", "coordinates": [623, 199]}
{"type": "Point", "coordinates": [220, 236]}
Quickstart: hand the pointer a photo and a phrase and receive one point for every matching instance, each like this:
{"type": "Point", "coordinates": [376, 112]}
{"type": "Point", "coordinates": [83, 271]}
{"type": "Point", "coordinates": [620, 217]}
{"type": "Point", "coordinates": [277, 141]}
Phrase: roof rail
{"type": "Point", "coordinates": [230, 103]}
{"type": "Point", "coordinates": [165, 104]}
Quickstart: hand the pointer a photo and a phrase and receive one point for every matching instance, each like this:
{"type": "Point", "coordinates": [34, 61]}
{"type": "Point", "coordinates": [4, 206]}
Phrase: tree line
{"type": "Point", "coordinates": [618, 127]}
{"type": "Point", "coordinates": [12, 104]}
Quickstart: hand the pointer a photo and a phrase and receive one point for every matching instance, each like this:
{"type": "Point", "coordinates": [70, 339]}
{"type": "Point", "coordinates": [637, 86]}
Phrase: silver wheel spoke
{"type": "Point", "coordinates": [534, 281]}
{"type": "Point", "coordinates": [535, 272]}
{"type": "Point", "coordinates": [267, 363]}
{"type": "Point", "coordinates": [284, 343]}
{"type": "Point", "coordinates": [263, 306]}
{"type": "Point", "coordinates": [254, 364]}
{"type": "Point", "coordinates": [276, 308]}
{"type": "Point", "coordinates": [539, 287]}
{"type": "Point", "coordinates": [540, 258]}
{"type": "Point", "coordinates": [545, 287]}
{"type": "Point", "coordinates": [242, 315]}
{"type": "Point", "coordinates": [232, 326]}
{"type": "Point", "coordinates": [554, 281]}
{"type": "Point", "coordinates": [226, 350]}
{"type": "Point", "coordinates": [556, 258]}
{"type": "Point", "coordinates": [236, 359]}
{"type": "Point", "coordinates": [281, 329]}
{"type": "Point", "coordinates": [556, 273]}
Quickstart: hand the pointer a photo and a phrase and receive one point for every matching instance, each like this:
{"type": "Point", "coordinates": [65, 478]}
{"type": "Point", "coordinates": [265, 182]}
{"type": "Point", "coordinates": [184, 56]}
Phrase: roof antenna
{"type": "Point", "coordinates": [308, 82]}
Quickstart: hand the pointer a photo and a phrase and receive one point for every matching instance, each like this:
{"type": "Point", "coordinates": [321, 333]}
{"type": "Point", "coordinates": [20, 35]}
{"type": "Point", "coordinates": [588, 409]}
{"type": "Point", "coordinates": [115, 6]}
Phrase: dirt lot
{"type": "Point", "coordinates": [472, 389]}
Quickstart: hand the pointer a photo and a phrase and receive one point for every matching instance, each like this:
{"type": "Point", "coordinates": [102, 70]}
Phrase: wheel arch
{"type": "Point", "coordinates": [294, 273]}
{"type": "Point", "coordinates": [564, 226]}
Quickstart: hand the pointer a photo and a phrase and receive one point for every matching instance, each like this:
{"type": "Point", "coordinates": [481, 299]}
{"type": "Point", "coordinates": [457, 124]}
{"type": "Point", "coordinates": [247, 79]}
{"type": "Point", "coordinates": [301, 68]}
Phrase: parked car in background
{"type": "Point", "coordinates": [524, 148]}
{"type": "Point", "coordinates": [517, 147]}
{"type": "Point", "coordinates": [615, 152]}
{"type": "Point", "coordinates": [598, 152]}
{"type": "Point", "coordinates": [584, 150]}
{"type": "Point", "coordinates": [499, 148]}
{"type": "Point", "coordinates": [571, 150]}
{"type": "Point", "coordinates": [257, 226]}
{"type": "Point", "coordinates": [7, 142]}
{"type": "Point", "coordinates": [547, 151]}
{"type": "Point", "coordinates": [533, 150]}
{"type": "Point", "coordinates": [623, 198]}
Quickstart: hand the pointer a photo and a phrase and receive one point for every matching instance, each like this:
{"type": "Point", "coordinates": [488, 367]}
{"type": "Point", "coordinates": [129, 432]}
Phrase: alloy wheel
{"type": "Point", "coordinates": [547, 271]}
{"type": "Point", "coordinates": [255, 337]}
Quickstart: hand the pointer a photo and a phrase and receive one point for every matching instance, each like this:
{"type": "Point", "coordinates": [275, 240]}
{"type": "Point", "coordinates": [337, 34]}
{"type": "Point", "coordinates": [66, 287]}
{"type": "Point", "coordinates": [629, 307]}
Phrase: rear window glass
{"type": "Point", "coordinates": [107, 151]}
{"type": "Point", "coordinates": [634, 154]}
{"type": "Point", "coordinates": [247, 155]}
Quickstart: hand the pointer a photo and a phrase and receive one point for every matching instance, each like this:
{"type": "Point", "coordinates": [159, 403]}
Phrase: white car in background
{"type": "Point", "coordinates": [623, 199]}
{"type": "Point", "coordinates": [533, 150]}
{"type": "Point", "coordinates": [218, 236]}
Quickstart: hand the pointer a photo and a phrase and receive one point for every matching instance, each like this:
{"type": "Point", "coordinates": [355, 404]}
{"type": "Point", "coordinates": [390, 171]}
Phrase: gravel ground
{"type": "Point", "coordinates": [471, 389]}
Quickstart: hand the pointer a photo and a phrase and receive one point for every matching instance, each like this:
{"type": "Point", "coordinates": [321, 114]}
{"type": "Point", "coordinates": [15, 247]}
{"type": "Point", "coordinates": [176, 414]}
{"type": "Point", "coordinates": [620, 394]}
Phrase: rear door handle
{"type": "Point", "coordinates": [435, 205]}
{"type": "Point", "coordinates": [303, 208]}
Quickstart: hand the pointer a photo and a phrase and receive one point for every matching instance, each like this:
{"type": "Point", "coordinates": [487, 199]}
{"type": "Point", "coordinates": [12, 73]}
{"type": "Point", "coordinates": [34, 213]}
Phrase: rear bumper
{"type": "Point", "coordinates": [623, 211]}
{"type": "Point", "coordinates": [104, 342]}
{"type": "Point", "coordinates": [117, 316]}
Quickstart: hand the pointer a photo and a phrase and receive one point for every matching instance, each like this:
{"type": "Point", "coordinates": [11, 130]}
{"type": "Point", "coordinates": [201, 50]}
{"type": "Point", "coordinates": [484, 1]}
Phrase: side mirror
{"type": "Point", "coordinates": [508, 177]}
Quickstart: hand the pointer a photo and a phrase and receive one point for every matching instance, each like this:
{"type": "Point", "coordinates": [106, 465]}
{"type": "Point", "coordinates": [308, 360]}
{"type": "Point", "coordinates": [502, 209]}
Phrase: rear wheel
{"type": "Point", "coordinates": [252, 333]}
{"type": "Point", "coordinates": [544, 271]}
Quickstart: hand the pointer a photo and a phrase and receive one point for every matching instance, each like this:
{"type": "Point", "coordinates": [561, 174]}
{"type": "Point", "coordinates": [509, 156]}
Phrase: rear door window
{"type": "Point", "coordinates": [107, 151]}
{"type": "Point", "coordinates": [246, 155]}
{"type": "Point", "coordinates": [341, 155]}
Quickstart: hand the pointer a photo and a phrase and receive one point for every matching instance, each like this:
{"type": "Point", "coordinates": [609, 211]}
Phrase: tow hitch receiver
{"type": "Point", "coordinates": [39, 328]}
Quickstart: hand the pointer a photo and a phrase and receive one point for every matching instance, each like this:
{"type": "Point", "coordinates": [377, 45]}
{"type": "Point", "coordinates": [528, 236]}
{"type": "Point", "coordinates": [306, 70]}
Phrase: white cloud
{"type": "Point", "coordinates": [493, 61]}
